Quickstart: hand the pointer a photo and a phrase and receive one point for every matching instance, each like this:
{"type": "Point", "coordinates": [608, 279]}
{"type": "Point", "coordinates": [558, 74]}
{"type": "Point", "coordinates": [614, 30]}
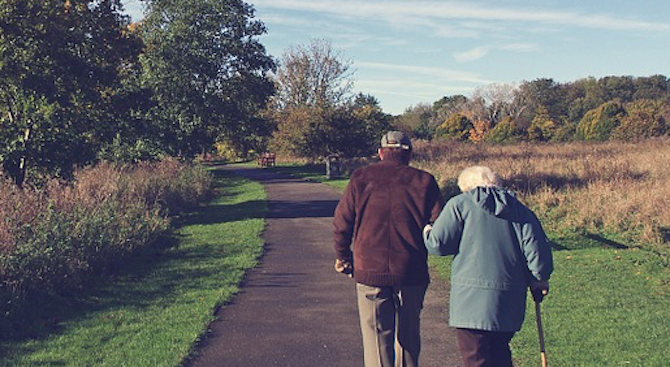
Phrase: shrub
{"type": "Point", "coordinates": [564, 134]}
{"type": "Point", "coordinates": [598, 124]}
{"type": "Point", "coordinates": [505, 132]}
{"type": "Point", "coordinates": [644, 119]}
{"type": "Point", "coordinates": [53, 237]}
{"type": "Point", "coordinates": [543, 127]}
{"type": "Point", "coordinates": [228, 152]}
{"type": "Point", "coordinates": [457, 127]}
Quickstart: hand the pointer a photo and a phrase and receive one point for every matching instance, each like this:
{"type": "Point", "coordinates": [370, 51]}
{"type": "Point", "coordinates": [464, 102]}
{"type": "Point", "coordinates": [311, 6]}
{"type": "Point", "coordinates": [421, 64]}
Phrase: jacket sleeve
{"type": "Point", "coordinates": [436, 201]}
{"type": "Point", "coordinates": [445, 237]}
{"type": "Point", "coordinates": [536, 248]}
{"type": "Point", "coordinates": [343, 223]}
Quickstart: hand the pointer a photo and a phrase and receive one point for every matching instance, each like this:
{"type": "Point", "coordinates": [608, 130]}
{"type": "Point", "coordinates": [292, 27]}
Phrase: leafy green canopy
{"type": "Point", "coordinates": [207, 73]}
{"type": "Point", "coordinates": [59, 69]}
{"type": "Point", "coordinates": [598, 124]}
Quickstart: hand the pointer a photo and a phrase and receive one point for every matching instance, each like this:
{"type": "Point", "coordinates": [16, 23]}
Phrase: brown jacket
{"type": "Point", "coordinates": [382, 213]}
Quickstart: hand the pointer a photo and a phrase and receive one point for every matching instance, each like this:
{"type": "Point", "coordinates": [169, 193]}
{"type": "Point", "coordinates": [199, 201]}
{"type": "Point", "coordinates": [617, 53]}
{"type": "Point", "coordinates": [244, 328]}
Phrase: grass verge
{"type": "Point", "coordinates": [160, 303]}
{"type": "Point", "coordinates": [608, 306]}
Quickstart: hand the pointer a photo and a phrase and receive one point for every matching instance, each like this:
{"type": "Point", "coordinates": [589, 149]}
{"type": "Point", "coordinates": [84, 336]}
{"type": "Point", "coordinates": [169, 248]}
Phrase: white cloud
{"type": "Point", "coordinates": [520, 47]}
{"type": "Point", "coordinates": [290, 21]}
{"type": "Point", "coordinates": [396, 95]}
{"type": "Point", "coordinates": [409, 12]}
{"type": "Point", "coordinates": [471, 55]}
{"type": "Point", "coordinates": [477, 53]}
{"type": "Point", "coordinates": [431, 72]}
{"type": "Point", "coordinates": [405, 88]}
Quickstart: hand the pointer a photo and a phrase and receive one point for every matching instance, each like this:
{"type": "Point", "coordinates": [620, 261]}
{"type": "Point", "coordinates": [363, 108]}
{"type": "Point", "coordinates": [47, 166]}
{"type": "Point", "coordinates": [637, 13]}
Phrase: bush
{"type": "Point", "coordinates": [598, 124]}
{"type": "Point", "coordinates": [228, 152]}
{"type": "Point", "coordinates": [644, 119]}
{"type": "Point", "coordinates": [564, 134]}
{"type": "Point", "coordinates": [457, 127]}
{"type": "Point", "coordinates": [505, 132]}
{"type": "Point", "coordinates": [52, 238]}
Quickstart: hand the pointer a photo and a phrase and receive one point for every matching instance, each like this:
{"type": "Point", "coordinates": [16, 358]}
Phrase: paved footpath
{"type": "Point", "coordinates": [293, 309]}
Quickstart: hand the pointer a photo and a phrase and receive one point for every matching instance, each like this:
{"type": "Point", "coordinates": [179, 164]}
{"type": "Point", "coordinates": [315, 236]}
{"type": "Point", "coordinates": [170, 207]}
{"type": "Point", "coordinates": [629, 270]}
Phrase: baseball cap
{"type": "Point", "coordinates": [396, 139]}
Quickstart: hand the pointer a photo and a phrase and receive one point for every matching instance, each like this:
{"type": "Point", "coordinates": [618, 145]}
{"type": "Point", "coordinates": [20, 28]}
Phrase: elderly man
{"type": "Point", "coordinates": [382, 213]}
{"type": "Point", "coordinates": [499, 251]}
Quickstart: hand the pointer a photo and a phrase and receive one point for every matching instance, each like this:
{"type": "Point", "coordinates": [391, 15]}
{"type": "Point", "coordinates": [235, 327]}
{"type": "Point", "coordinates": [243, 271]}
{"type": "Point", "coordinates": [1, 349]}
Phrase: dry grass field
{"type": "Point", "coordinates": [616, 192]}
{"type": "Point", "coordinates": [607, 305]}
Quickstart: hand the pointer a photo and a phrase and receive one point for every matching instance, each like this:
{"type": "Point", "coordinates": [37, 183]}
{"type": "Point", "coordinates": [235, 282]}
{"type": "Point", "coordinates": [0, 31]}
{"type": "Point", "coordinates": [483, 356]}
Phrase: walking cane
{"type": "Point", "coordinates": [538, 318]}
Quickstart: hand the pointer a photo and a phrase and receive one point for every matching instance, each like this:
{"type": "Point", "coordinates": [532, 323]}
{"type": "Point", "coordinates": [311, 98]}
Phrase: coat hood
{"type": "Point", "coordinates": [495, 201]}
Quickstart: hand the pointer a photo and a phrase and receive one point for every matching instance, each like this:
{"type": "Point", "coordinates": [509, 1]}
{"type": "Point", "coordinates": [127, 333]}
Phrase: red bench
{"type": "Point", "coordinates": [267, 159]}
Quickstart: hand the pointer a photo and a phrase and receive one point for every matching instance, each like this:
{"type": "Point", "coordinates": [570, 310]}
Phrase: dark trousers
{"type": "Point", "coordinates": [480, 348]}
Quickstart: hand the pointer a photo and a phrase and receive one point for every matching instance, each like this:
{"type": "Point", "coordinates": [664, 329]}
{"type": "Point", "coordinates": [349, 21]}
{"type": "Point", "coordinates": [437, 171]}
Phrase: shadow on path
{"type": "Point", "coordinates": [294, 310]}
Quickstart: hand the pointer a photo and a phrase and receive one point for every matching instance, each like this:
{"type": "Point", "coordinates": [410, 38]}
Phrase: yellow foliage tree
{"type": "Point", "coordinates": [479, 129]}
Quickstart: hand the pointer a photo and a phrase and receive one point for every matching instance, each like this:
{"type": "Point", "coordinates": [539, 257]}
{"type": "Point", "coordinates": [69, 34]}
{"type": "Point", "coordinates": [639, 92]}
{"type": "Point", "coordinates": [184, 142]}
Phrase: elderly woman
{"type": "Point", "coordinates": [500, 250]}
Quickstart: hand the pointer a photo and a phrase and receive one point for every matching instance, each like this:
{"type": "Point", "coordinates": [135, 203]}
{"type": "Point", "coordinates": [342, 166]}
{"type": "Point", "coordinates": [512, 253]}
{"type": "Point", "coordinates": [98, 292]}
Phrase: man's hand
{"type": "Point", "coordinates": [539, 290]}
{"type": "Point", "coordinates": [344, 267]}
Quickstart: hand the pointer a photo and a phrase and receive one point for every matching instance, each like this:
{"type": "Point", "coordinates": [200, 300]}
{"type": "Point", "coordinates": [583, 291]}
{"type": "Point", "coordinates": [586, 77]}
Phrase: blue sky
{"type": "Point", "coordinates": [407, 52]}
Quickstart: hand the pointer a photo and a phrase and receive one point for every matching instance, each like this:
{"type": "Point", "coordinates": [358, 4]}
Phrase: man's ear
{"type": "Point", "coordinates": [381, 154]}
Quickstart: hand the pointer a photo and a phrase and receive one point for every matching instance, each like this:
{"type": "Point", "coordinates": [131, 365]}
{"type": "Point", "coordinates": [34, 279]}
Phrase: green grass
{"type": "Point", "coordinates": [607, 306]}
{"type": "Point", "coordinates": [160, 304]}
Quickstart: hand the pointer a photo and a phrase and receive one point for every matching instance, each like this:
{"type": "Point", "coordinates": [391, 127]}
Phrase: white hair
{"type": "Point", "coordinates": [478, 176]}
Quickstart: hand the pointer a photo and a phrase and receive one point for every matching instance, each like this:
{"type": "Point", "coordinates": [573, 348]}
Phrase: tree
{"type": "Point", "coordinates": [644, 119]}
{"type": "Point", "coordinates": [498, 100]}
{"type": "Point", "coordinates": [338, 131]}
{"type": "Point", "coordinates": [314, 75]}
{"type": "Point", "coordinates": [59, 71]}
{"type": "Point", "coordinates": [445, 107]}
{"type": "Point", "coordinates": [543, 127]}
{"type": "Point", "coordinates": [207, 73]}
{"type": "Point", "coordinates": [456, 127]}
{"type": "Point", "coordinates": [313, 110]}
{"type": "Point", "coordinates": [416, 121]}
{"type": "Point", "coordinates": [618, 88]}
{"type": "Point", "coordinates": [480, 128]}
{"type": "Point", "coordinates": [540, 93]}
{"type": "Point", "coordinates": [653, 87]}
{"type": "Point", "coordinates": [505, 132]}
{"type": "Point", "coordinates": [598, 124]}
{"type": "Point", "coordinates": [565, 133]}
{"type": "Point", "coordinates": [369, 114]}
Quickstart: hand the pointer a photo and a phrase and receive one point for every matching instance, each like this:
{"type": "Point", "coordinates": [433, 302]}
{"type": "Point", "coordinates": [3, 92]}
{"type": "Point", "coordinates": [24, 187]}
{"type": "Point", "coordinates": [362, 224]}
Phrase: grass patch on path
{"type": "Point", "coordinates": [160, 303]}
{"type": "Point", "coordinates": [311, 172]}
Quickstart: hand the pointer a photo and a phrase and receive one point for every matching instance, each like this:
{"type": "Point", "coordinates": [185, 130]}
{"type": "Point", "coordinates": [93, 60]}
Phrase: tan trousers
{"type": "Point", "coordinates": [390, 324]}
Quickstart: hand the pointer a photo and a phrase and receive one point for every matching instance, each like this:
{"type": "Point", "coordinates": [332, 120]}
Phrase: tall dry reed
{"type": "Point", "coordinates": [53, 237]}
{"type": "Point", "coordinates": [607, 188]}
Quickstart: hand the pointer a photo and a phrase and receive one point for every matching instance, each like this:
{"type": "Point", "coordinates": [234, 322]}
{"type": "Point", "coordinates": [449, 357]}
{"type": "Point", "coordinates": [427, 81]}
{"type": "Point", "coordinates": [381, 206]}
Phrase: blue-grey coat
{"type": "Point", "coordinates": [499, 247]}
